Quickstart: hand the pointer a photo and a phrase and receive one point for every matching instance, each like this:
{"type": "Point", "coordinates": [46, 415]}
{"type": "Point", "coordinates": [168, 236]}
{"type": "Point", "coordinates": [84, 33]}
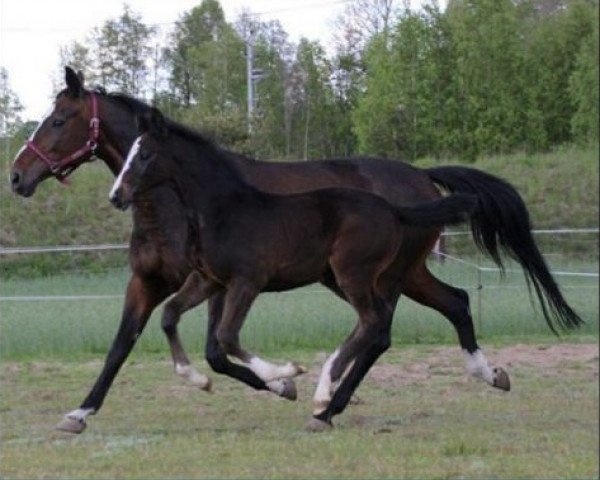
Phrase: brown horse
{"type": "Point", "coordinates": [242, 241]}
{"type": "Point", "coordinates": [500, 223]}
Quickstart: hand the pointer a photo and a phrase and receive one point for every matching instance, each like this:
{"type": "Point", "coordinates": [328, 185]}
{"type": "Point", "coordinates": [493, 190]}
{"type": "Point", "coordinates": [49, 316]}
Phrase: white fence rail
{"type": "Point", "coordinates": [124, 246]}
{"type": "Point", "coordinates": [111, 247]}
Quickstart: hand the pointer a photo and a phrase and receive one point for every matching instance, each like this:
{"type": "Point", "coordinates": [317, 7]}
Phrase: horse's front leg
{"type": "Point", "coordinates": [193, 292]}
{"type": "Point", "coordinates": [141, 298]}
{"type": "Point", "coordinates": [227, 315]}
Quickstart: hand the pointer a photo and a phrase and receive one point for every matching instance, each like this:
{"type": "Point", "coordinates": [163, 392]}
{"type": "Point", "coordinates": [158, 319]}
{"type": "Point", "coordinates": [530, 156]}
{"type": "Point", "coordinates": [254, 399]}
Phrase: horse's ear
{"type": "Point", "coordinates": [81, 78]}
{"type": "Point", "coordinates": [158, 124]}
{"type": "Point", "coordinates": [143, 123]}
{"type": "Point", "coordinates": [74, 83]}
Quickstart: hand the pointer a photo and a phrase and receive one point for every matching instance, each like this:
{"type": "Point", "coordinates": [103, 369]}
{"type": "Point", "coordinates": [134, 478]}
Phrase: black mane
{"type": "Point", "coordinates": [140, 108]}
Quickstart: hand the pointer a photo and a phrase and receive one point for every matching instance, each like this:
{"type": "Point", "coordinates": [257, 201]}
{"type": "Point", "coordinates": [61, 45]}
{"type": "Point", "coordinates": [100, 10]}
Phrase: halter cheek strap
{"type": "Point", "coordinates": [63, 167]}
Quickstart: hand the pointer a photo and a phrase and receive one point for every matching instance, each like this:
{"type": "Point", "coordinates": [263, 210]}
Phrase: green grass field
{"type": "Point", "coordinates": [308, 318]}
{"type": "Point", "coordinates": [418, 416]}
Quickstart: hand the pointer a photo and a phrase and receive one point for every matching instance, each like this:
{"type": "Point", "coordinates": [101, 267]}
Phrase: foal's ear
{"type": "Point", "coordinates": [158, 124]}
{"type": "Point", "coordinates": [153, 122]}
{"type": "Point", "coordinates": [74, 82]}
{"type": "Point", "coordinates": [81, 78]}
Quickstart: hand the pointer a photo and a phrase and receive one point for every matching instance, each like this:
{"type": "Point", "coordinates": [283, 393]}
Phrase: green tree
{"type": "Point", "coordinates": [488, 78]}
{"type": "Point", "coordinates": [313, 110]}
{"type": "Point", "coordinates": [553, 46]}
{"type": "Point", "coordinates": [194, 49]}
{"type": "Point", "coordinates": [10, 107]}
{"type": "Point", "coordinates": [114, 55]}
{"type": "Point", "coordinates": [583, 88]}
{"type": "Point", "coordinates": [77, 56]}
{"type": "Point", "coordinates": [376, 118]}
{"type": "Point", "coordinates": [397, 114]}
{"type": "Point", "coordinates": [273, 54]}
{"type": "Point", "coordinates": [119, 50]}
{"type": "Point", "coordinates": [207, 75]}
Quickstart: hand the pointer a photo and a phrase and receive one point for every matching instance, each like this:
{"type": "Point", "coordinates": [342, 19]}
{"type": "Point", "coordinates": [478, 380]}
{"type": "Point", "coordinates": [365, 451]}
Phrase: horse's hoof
{"type": "Point", "coordinates": [207, 387]}
{"type": "Point", "coordinates": [71, 425]}
{"type": "Point", "coordinates": [300, 369]}
{"type": "Point", "coordinates": [315, 425]}
{"type": "Point", "coordinates": [501, 380]}
{"type": "Point", "coordinates": [289, 389]}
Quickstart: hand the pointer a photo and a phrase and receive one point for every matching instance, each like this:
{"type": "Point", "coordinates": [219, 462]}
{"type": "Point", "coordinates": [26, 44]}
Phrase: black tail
{"type": "Point", "coordinates": [456, 208]}
{"type": "Point", "coordinates": [501, 222]}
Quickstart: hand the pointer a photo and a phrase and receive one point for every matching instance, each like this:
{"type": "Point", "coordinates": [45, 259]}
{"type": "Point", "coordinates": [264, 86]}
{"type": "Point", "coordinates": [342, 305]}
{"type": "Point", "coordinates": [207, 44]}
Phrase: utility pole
{"type": "Point", "coordinates": [249, 82]}
{"type": "Point", "coordinates": [253, 76]}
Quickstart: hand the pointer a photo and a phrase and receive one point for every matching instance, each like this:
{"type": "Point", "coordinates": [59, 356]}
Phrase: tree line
{"type": "Point", "coordinates": [480, 76]}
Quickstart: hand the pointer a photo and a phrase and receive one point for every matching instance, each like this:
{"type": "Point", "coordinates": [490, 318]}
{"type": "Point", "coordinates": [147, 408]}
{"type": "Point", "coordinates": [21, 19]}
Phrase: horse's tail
{"type": "Point", "coordinates": [455, 208]}
{"type": "Point", "coordinates": [501, 222]}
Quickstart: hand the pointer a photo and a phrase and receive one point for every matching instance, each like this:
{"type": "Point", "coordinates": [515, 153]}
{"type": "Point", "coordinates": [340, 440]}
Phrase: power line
{"type": "Point", "coordinates": [162, 24]}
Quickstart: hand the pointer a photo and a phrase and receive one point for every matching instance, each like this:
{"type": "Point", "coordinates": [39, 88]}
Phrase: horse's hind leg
{"type": "Point", "coordinates": [350, 363]}
{"type": "Point", "coordinates": [193, 292]}
{"type": "Point", "coordinates": [453, 303]}
{"type": "Point", "coordinates": [225, 321]}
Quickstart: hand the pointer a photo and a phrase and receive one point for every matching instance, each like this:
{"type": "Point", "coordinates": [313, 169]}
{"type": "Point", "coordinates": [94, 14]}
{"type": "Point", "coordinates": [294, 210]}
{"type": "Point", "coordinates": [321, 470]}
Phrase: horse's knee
{"type": "Point", "coordinates": [462, 296]}
{"type": "Point", "coordinates": [383, 341]}
{"type": "Point", "coordinates": [227, 341]}
{"type": "Point", "coordinates": [169, 319]}
{"type": "Point", "coordinates": [458, 310]}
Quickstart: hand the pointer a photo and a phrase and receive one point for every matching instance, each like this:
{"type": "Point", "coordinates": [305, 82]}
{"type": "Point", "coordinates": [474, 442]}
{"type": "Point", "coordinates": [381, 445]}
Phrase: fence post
{"type": "Point", "coordinates": [479, 294]}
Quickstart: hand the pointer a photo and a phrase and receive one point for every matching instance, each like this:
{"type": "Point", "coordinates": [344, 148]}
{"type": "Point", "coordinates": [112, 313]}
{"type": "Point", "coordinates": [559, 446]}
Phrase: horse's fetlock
{"type": "Point", "coordinates": [218, 362]}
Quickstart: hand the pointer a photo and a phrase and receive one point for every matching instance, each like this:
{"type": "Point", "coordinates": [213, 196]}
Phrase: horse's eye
{"type": "Point", "coordinates": [58, 122]}
{"type": "Point", "coordinates": [144, 155]}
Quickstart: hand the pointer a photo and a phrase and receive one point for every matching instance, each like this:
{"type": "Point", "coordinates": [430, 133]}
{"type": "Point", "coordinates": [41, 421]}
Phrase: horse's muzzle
{"type": "Point", "coordinates": [18, 185]}
{"type": "Point", "coordinates": [118, 201]}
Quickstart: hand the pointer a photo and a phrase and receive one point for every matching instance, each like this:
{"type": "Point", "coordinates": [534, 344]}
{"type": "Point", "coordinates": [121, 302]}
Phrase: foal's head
{"type": "Point", "coordinates": [64, 139]}
{"type": "Point", "coordinates": [148, 161]}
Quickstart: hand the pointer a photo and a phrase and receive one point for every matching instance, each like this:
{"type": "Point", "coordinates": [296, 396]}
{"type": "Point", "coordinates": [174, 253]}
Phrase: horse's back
{"type": "Point", "coordinates": [398, 182]}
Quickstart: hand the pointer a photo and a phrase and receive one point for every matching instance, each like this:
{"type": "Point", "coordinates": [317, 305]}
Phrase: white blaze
{"type": "Point", "coordinates": [130, 156]}
{"type": "Point", "coordinates": [30, 139]}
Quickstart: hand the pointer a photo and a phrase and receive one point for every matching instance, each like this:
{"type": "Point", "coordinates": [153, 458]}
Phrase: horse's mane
{"type": "Point", "coordinates": [139, 108]}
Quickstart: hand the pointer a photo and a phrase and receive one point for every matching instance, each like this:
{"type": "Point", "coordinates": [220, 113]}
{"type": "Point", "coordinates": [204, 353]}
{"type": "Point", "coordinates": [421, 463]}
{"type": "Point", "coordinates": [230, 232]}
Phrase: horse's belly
{"type": "Point", "coordinates": [296, 274]}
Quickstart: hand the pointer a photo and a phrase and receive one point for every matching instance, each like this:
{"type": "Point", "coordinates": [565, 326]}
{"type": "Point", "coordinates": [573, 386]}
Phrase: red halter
{"type": "Point", "coordinates": [63, 167]}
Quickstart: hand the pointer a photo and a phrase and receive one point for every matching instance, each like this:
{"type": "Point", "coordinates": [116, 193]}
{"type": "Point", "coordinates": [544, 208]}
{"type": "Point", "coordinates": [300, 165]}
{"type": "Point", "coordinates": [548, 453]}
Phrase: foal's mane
{"type": "Point", "coordinates": [210, 150]}
{"type": "Point", "coordinates": [139, 108]}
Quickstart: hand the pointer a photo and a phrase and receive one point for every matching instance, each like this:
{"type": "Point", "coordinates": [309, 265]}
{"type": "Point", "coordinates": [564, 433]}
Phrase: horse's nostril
{"type": "Point", "coordinates": [15, 178]}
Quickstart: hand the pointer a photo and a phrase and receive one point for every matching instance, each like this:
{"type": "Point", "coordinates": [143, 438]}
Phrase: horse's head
{"type": "Point", "coordinates": [147, 164]}
{"type": "Point", "coordinates": [64, 139]}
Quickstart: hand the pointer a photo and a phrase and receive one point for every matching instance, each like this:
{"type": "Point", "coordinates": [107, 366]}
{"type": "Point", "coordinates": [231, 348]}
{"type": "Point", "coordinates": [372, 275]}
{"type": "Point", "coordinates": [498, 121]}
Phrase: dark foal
{"type": "Point", "coordinates": [67, 137]}
{"type": "Point", "coordinates": [244, 241]}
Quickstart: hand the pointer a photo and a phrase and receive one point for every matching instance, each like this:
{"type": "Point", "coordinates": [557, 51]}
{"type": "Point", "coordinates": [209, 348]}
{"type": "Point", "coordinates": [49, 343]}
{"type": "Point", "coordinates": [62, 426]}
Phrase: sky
{"type": "Point", "coordinates": [32, 32]}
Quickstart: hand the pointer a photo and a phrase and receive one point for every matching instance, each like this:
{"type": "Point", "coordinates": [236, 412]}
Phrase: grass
{"type": "Point", "coordinates": [440, 425]}
{"type": "Point", "coordinates": [309, 318]}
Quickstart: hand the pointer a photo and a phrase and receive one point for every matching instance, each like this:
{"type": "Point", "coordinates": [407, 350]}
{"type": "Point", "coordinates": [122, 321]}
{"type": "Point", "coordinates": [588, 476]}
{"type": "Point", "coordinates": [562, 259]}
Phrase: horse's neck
{"type": "Point", "coordinates": [155, 212]}
{"type": "Point", "coordinates": [119, 131]}
{"type": "Point", "coordinates": [210, 175]}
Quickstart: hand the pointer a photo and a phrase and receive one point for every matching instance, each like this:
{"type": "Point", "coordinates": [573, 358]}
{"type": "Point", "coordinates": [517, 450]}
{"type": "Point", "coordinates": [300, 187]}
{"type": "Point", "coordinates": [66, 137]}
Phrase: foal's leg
{"type": "Point", "coordinates": [141, 298]}
{"type": "Point", "coordinates": [350, 363]}
{"type": "Point", "coordinates": [223, 340]}
{"type": "Point", "coordinates": [453, 303]}
{"type": "Point", "coordinates": [193, 292]}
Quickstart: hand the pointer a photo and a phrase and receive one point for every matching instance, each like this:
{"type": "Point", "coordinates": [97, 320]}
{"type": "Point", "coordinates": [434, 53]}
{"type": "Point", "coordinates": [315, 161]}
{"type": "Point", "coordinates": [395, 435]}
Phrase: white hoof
{"type": "Point", "coordinates": [193, 377]}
